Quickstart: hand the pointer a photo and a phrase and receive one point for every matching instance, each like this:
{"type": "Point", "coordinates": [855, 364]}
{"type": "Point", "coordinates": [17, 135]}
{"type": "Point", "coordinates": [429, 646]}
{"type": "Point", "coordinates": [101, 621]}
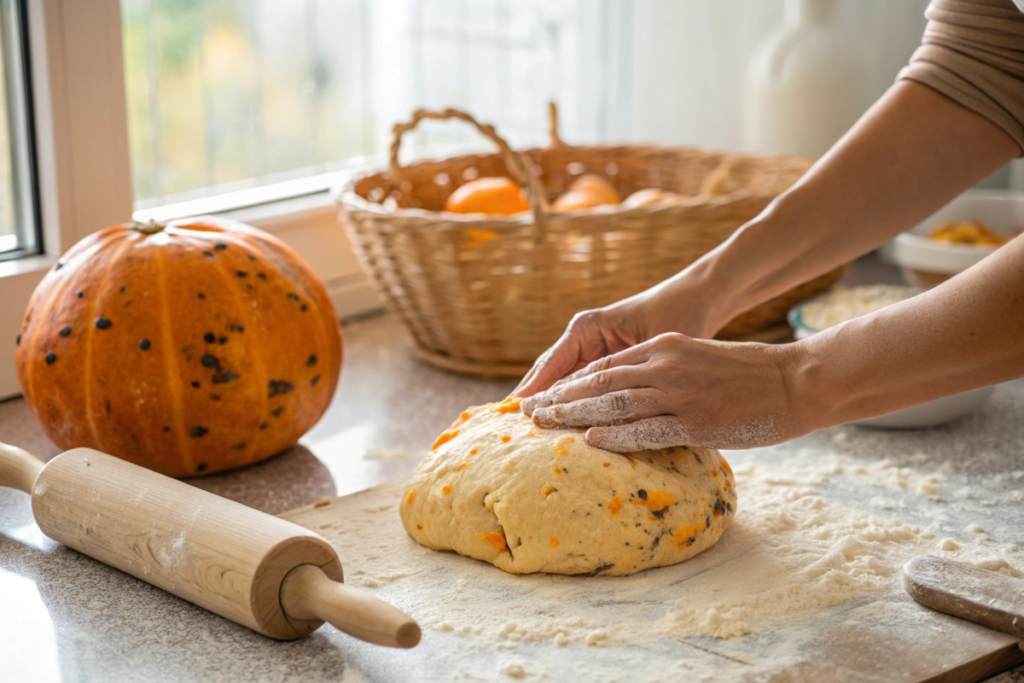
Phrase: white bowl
{"type": "Point", "coordinates": [1000, 210]}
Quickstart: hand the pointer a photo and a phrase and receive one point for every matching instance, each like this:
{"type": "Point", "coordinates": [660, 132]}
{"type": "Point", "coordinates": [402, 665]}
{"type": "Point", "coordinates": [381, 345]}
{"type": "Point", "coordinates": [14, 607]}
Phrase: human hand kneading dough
{"type": "Point", "coordinates": [641, 373]}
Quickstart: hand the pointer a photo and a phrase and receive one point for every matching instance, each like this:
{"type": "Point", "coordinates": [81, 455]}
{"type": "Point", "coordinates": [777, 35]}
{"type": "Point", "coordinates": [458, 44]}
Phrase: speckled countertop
{"type": "Point", "coordinates": [70, 618]}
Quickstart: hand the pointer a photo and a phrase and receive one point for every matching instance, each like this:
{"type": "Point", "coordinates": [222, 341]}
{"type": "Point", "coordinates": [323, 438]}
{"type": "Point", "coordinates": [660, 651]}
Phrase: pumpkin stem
{"type": "Point", "coordinates": [149, 227]}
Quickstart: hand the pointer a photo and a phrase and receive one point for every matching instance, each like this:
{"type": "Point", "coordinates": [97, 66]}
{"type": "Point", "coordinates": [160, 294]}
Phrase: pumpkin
{"type": "Point", "coordinates": [586, 192]}
{"type": "Point", "coordinates": [187, 348]}
{"type": "Point", "coordinates": [496, 196]}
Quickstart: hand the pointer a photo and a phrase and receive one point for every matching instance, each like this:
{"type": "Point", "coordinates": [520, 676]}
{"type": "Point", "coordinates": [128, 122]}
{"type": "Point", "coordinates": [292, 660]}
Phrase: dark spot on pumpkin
{"type": "Point", "coordinates": [201, 467]}
{"type": "Point", "coordinates": [224, 377]}
{"type": "Point", "coordinates": [208, 253]}
{"type": "Point", "coordinates": [18, 340]}
{"type": "Point", "coordinates": [277, 387]}
{"type": "Point", "coordinates": [103, 323]}
{"type": "Point", "coordinates": [209, 337]}
{"type": "Point", "coordinates": [262, 276]}
{"type": "Point", "coordinates": [201, 295]}
{"type": "Point", "coordinates": [167, 429]}
{"type": "Point", "coordinates": [264, 425]}
{"type": "Point", "coordinates": [209, 361]}
{"type": "Point", "coordinates": [79, 294]}
{"type": "Point", "coordinates": [51, 358]}
{"type": "Point", "coordinates": [313, 381]}
{"type": "Point", "coordinates": [293, 295]}
{"type": "Point", "coordinates": [198, 432]}
{"type": "Point", "coordinates": [642, 494]}
{"type": "Point", "coordinates": [222, 340]}
{"type": "Point", "coordinates": [311, 361]}
{"type": "Point", "coordinates": [236, 328]}
{"type": "Point", "coordinates": [241, 273]}
{"type": "Point", "coordinates": [215, 397]}
{"type": "Point", "coordinates": [238, 446]}
{"type": "Point", "coordinates": [303, 307]}
{"type": "Point", "coordinates": [220, 246]}
{"type": "Point", "coordinates": [108, 407]}
{"type": "Point", "coordinates": [122, 289]}
{"type": "Point", "coordinates": [144, 344]}
{"type": "Point", "coordinates": [276, 412]}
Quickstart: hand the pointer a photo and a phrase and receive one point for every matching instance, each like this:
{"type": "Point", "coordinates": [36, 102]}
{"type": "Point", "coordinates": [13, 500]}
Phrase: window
{"type": "Point", "coordinates": [225, 95]}
{"type": "Point", "coordinates": [19, 228]}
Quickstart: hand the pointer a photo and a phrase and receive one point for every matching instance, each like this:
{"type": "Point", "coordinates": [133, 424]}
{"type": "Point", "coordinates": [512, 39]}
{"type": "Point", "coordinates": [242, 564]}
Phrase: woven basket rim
{"type": "Point", "coordinates": [349, 200]}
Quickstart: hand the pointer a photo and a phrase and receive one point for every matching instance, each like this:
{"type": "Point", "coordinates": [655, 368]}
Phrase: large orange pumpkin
{"type": "Point", "coordinates": [188, 348]}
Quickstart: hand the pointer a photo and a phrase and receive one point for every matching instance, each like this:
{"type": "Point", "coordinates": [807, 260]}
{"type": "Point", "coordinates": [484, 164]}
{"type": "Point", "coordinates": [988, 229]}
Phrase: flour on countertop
{"type": "Point", "coordinates": [817, 533]}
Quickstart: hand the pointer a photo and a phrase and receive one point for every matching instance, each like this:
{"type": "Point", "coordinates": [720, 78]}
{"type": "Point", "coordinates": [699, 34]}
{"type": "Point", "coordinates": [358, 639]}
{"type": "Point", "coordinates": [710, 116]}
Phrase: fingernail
{"type": "Point", "coordinates": [545, 418]}
{"type": "Point", "coordinates": [542, 400]}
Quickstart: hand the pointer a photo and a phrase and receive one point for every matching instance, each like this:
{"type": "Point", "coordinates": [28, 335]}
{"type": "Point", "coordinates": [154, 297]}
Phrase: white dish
{"type": "Point", "coordinates": [1000, 210]}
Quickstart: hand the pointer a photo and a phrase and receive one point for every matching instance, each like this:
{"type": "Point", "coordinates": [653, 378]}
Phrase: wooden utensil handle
{"type": "Point", "coordinates": [307, 593]}
{"type": "Point", "coordinates": [18, 468]}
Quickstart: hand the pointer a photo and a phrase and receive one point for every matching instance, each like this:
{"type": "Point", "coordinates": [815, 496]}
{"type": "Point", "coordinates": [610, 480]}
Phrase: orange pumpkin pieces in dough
{"type": "Point", "coordinates": [585, 192]}
{"type": "Point", "coordinates": [488, 195]}
{"type": "Point", "coordinates": [188, 348]}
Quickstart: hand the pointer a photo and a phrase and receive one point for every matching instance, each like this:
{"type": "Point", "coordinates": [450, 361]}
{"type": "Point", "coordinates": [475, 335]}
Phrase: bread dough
{"type": "Point", "coordinates": [497, 488]}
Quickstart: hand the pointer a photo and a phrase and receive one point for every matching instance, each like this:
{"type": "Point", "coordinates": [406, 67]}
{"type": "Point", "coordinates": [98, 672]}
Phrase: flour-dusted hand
{"type": "Point", "coordinates": [675, 391]}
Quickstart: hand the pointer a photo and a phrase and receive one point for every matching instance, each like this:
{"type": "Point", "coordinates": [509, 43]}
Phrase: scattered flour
{"type": "Point", "coordinates": [812, 537]}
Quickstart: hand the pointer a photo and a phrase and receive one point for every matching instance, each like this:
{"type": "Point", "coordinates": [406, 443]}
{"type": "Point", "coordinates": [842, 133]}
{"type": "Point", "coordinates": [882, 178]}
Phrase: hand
{"type": "Point", "coordinates": [595, 334]}
{"type": "Point", "coordinates": [677, 391]}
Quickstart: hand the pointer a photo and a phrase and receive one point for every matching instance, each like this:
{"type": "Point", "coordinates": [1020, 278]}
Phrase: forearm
{"type": "Point", "coordinates": [909, 155]}
{"type": "Point", "coordinates": [966, 333]}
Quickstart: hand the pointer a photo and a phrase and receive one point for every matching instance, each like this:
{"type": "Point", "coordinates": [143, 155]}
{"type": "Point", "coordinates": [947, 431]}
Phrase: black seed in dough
{"type": "Point", "coordinates": [195, 384]}
{"type": "Point", "coordinates": [103, 323]}
{"type": "Point", "coordinates": [221, 246]}
{"type": "Point", "coordinates": [144, 344]}
{"type": "Point", "coordinates": [642, 494]}
{"type": "Point", "coordinates": [313, 381]}
{"type": "Point", "coordinates": [209, 361]}
{"type": "Point", "coordinates": [51, 358]}
{"type": "Point", "coordinates": [209, 338]}
{"type": "Point", "coordinates": [264, 425]}
{"type": "Point", "coordinates": [198, 432]}
{"type": "Point", "coordinates": [277, 387]}
{"type": "Point", "coordinates": [224, 377]}
{"type": "Point", "coordinates": [79, 294]}
{"type": "Point", "coordinates": [311, 361]}
{"type": "Point", "coordinates": [60, 264]}
{"type": "Point", "coordinates": [200, 467]}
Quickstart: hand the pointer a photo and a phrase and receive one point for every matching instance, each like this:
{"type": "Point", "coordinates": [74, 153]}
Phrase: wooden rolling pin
{"type": "Point", "coordinates": [257, 570]}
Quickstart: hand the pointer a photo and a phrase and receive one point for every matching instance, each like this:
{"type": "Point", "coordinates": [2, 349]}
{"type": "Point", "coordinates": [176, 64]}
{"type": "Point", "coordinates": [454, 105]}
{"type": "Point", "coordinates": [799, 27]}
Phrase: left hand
{"type": "Point", "coordinates": [676, 391]}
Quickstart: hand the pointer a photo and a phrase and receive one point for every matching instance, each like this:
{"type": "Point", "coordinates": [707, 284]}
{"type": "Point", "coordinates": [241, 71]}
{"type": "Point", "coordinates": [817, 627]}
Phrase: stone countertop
{"type": "Point", "coordinates": [71, 618]}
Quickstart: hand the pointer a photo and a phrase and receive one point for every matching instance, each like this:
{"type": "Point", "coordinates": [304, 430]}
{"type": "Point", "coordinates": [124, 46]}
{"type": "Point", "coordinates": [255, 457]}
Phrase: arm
{"type": "Point", "coordinates": [909, 155]}
{"type": "Point", "coordinates": [674, 390]}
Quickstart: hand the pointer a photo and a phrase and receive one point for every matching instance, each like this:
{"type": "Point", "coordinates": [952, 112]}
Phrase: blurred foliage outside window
{"type": "Point", "coordinates": [230, 94]}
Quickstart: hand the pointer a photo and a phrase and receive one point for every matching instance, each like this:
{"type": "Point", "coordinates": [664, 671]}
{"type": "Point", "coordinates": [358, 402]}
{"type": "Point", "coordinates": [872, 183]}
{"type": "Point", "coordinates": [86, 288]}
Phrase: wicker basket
{"type": "Point", "coordinates": [487, 294]}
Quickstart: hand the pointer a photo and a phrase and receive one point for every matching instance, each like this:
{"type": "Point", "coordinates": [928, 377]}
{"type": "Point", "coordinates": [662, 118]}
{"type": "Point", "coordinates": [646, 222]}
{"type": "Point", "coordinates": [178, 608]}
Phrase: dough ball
{"type": "Point", "coordinates": [497, 488]}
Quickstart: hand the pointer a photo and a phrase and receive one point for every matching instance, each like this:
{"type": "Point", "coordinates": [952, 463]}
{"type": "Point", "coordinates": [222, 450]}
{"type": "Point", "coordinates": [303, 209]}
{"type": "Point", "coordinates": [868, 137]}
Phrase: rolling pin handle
{"type": "Point", "coordinates": [18, 468]}
{"type": "Point", "coordinates": [307, 593]}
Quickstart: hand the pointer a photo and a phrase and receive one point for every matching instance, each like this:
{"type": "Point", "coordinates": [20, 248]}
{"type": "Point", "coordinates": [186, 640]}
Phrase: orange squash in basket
{"type": "Point", "coordinates": [585, 192]}
{"type": "Point", "coordinates": [188, 348]}
{"type": "Point", "coordinates": [496, 196]}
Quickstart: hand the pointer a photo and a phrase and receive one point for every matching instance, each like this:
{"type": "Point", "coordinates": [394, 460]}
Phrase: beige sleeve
{"type": "Point", "coordinates": [973, 53]}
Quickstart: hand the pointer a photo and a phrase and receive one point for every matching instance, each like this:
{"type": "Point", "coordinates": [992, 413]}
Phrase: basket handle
{"type": "Point", "coordinates": [519, 168]}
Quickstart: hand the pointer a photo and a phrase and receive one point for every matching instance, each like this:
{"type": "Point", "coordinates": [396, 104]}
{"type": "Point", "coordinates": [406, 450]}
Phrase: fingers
{"type": "Point", "coordinates": [646, 434]}
{"type": "Point", "coordinates": [617, 372]}
{"type": "Point", "coordinates": [608, 409]}
{"type": "Point", "coordinates": [553, 365]}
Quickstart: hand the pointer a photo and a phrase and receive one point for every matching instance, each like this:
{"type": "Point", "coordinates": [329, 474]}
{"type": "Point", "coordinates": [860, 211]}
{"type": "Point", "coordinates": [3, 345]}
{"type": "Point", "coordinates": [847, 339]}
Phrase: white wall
{"type": "Point", "coordinates": [690, 59]}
